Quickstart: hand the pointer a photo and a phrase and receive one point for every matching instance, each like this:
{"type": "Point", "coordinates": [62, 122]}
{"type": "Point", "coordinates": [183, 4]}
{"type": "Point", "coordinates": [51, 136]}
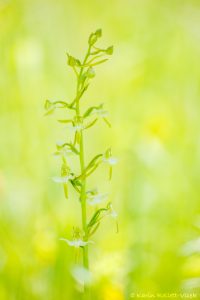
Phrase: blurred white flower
{"type": "Point", "coordinates": [191, 283]}
{"type": "Point", "coordinates": [191, 247]}
{"type": "Point", "coordinates": [112, 212]}
{"type": "Point", "coordinates": [100, 112]}
{"type": "Point", "coordinates": [94, 199]}
{"type": "Point", "coordinates": [62, 179]}
{"type": "Point", "coordinates": [77, 128]}
{"type": "Point", "coordinates": [110, 160]}
{"type": "Point", "coordinates": [81, 275]}
{"type": "Point", "coordinates": [76, 243]}
{"type": "Point", "coordinates": [109, 265]}
{"type": "Point", "coordinates": [64, 151]}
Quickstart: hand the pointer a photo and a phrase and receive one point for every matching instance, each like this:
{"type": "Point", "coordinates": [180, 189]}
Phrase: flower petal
{"type": "Point", "coordinates": [61, 179]}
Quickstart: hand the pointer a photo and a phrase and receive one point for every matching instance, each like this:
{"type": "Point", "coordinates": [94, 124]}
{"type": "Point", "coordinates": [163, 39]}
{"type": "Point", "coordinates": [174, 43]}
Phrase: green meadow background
{"type": "Point", "coordinates": [151, 87]}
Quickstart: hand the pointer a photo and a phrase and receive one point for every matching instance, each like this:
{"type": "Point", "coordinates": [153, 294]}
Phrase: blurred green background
{"type": "Point", "coordinates": [151, 88]}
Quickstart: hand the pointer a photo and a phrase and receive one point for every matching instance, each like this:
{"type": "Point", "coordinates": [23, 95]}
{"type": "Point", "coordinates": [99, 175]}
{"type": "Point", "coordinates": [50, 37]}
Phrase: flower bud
{"type": "Point", "coordinates": [109, 50]}
{"type": "Point", "coordinates": [98, 33]}
{"type": "Point", "coordinates": [94, 37]}
{"type": "Point", "coordinates": [72, 61]}
{"type": "Point", "coordinates": [90, 73]}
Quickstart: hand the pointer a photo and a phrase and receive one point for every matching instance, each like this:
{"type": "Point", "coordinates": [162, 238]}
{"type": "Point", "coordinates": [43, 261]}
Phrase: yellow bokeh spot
{"type": "Point", "coordinates": [191, 267]}
{"type": "Point", "coordinates": [45, 246]}
{"type": "Point", "coordinates": [111, 292]}
{"type": "Point", "coordinates": [3, 293]}
{"type": "Point", "coordinates": [158, 127]}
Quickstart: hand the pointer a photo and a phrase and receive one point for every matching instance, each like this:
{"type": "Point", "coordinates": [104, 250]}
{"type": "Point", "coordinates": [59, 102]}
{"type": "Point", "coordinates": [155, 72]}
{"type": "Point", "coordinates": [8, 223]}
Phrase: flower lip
{"type": "Point", "coordinates": [62, 179]}
{"type": "Point", "coordinates": [112, 212]}
{"type": "Point", "coordinates": [100, 112]}
{"type": "Point", "coordinates": [78, 127]}
{"type": "Point", "coordinates": [96, 198]}
{"type": "Point", "coordinates": [110, 160]}
{"type": "Point", "coordinates": [65, 151]}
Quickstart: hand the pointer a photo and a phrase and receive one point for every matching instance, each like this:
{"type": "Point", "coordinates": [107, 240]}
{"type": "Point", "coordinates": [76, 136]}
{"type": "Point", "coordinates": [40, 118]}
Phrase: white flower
{"type": "Point", "coordinates": [77, 128]}
{"type": "Point", "coordinates": [76, 243]}
{"type": "Point", "coordinates": [62, 179]}
{"type": "Point", "coordinates": [96, 198]}
{"type": "Point", "coordinates": [112, 212]}
{"type": "Point", "coordinates": [101, 113]}
{"type": "Point", "coordinates": [191, 247]}
{"type": "Point", "coordinates": [191, 283]}
{"type": "Point", "coordinates": [110, 160]}
{"type": "Point", "coordinates": [81, 275]}
{"type": "Point", "coordinates": [65, 151]}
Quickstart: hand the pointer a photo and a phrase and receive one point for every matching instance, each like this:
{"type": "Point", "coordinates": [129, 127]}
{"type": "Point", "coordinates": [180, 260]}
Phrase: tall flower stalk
{"type": "Point", "coordinates": [79, 122]}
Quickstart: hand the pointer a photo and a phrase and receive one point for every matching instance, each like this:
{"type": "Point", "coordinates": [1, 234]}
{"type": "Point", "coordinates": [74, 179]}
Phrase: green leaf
{"type": "Point", "coordinates": [93, 162]}
{"type": "Point", "coordinates": [65, 190]}
{"type": "Point", "coordinates": [65, 121]}
{"type": "Point", "coordinates": [91, 167]}
{"type": "Point", "coordinates": [76, 184]}
{"type": "Point", "coordinates": [91, 171]}
{"type": "Point", "coordinates": [107, 122]}
{"type": "Point", "coordinates": [95, 217]}
{"type": "Point", "coordinates": [90, 110]}
{"type": "Point", "coordinates": [50, 111]}
{"type": "Point", "coordinates": [91, 124]}
{"type": "Point", "coordinates": [90, 233]}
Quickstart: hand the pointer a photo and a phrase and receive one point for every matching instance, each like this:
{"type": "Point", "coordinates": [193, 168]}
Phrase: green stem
{"type": "Point", "coordinates": [83, 205]}
{"type": "Point", "coordinates": [82, 167]}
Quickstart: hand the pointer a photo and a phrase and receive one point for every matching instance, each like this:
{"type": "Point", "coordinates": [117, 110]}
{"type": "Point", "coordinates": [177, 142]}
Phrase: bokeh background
{"type": "Point", "coordinates": [151, 88]}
